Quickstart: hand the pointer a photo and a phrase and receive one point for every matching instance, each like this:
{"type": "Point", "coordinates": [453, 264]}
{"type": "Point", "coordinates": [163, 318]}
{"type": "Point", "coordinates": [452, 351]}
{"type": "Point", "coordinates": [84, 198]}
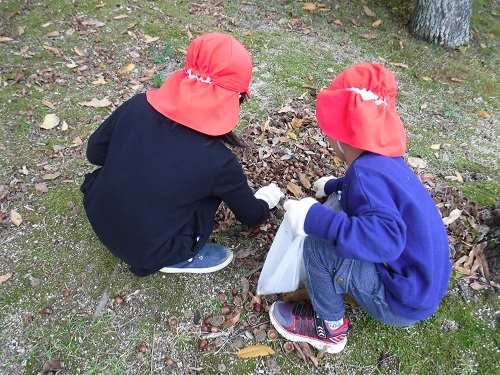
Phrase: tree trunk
{"type": "Point", "coordinates": [443, 22]}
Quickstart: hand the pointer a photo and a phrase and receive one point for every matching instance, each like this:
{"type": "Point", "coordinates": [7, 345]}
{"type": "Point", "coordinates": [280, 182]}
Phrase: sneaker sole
{"type": "Point", "coordinates": [198, 270]}
{"type": "Point", "coordinates": [332, 348]}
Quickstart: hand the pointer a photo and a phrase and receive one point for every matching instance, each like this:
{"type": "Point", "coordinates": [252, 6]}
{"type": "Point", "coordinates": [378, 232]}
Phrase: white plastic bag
{"type": "Point", "coordinates": [284, 269]}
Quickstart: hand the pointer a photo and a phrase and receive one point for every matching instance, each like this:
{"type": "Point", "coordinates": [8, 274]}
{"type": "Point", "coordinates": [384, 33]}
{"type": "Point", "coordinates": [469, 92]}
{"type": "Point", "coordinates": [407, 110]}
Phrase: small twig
{"type": "Point", "coordinates": [152, 350]}
{"type": "Point", "coordinates": [105, 295]}
{"type": "Point", "coordinates": [254, 270]}
{"type": "Point", "coordinates": [239, 332]}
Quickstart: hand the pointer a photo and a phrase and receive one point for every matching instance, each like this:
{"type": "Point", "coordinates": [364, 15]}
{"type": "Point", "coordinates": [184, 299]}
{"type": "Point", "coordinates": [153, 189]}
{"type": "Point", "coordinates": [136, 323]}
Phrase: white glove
{"type": "Point", "coordinates": [319, 186]}
{"type": "Point", "coordinates": [271, 194]}
{"type": "Point", "coordinates": [296, 212]}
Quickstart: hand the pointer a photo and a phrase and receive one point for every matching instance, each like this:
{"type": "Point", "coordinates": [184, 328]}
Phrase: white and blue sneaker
{"type": "Point", "coordinates": [211, 258]}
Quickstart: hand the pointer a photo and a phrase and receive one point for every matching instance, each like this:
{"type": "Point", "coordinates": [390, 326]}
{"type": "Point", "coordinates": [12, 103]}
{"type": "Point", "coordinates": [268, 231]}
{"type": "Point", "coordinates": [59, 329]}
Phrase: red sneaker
{"type": "Point", "coordinates": [299, 322]}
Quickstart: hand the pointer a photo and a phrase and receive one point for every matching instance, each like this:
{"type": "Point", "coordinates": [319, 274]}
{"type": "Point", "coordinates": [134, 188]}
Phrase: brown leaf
{"type": "Point", "coordinates": [51, 176]}
{"type": "Point", "coordinates": [369, 36]}
{"type": "Point", "coordinates": [401, 65]}
{"type": "Point", "coordinates": [483, 114]}
{"type": "Point", "coordinates": [78, 51]}
{"type": "Point", "coordinates": [120, 17]}
{"type": "Point", "coordinates": [126, 68]}
{"type": "Point", "coordinates": [377, 23]}
{"type": "Point", "coordinates": [295, 190]}
{"type": "Point", "coordinates": [4, 278]}
{"type": "Point", "coordinates": [48, 104]}
{"type": "Point", "coordinates": [454, 79]}
{"type": "Point", "coordinates": [41, 188]}
{"type": "Point", "coordinates": [5, 39]}
{"type": "Point", "coordinates": [355, 22]}
{"type": "Point", "coordinates": [309, 7]}
{"type": "Point", "coordinates": [253, 351]}
{"type": "Point", "coordinates": [304, 180]}
{"type": "Point", "coordinates": [96, 103]}
{"type": "Point", "coordinates": [368, 11]}
{"type": "Point", "coordinates": [298, 295]}
{"type": "Point", "coordinates": [232, 319]}
{"type": "Point", "coordinates": [54, 50]}
{"type": "Point", "coordinates": [52, 34]}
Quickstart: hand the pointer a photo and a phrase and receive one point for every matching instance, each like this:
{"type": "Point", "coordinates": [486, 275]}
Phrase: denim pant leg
{"type": "Point", "coordinates": [329, 277]}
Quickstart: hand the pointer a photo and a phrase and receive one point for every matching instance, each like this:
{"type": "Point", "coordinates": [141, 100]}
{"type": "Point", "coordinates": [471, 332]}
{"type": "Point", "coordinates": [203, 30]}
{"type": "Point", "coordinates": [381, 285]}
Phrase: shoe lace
{"type": "Point", "coordinates": [308, 323]}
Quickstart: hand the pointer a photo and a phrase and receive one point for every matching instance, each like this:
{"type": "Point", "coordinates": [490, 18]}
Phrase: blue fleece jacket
{"type": "Point", "coordinates": [390, 219]}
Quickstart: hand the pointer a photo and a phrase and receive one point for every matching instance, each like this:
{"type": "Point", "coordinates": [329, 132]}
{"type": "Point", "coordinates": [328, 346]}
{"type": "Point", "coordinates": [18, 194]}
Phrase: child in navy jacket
{"type": "Point", "coordinates": [165, 167]}
{"type": "Point", "coordinates": [388, 247]}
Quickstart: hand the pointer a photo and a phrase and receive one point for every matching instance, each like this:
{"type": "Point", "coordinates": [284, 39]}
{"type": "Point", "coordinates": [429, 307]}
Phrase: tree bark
{"type": "Point", "coordinates": [443, 22]}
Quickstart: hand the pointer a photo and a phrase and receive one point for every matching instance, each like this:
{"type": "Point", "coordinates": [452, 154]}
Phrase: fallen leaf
{"type": "Point", "coordinates": [436, 146]}
{"type": "Point", "coordinates": [71, 66]}
{"type": "Point", "coordinates": [309, 7]}
{"type": "Point", "coordinates": [94, 23]}
{"type": "Point", "coordinates": [96, 103]}
{"type": "Point", "coordinates": [41, 188]}
{"type": "Point", "coordinates": [149, 39]}
{"type": "Point", "coordinates": [181, 50]}
{"type": "Point", "coordinates": [5, 39]}
{"type": "Point", "coordinates": [368, 11]}
{"type": "Point", "coordinates": [47, 24]}
{"type": "Point", "coordinates": [16, 218]}
{"type": "Point", "coordinates": [298, 295]}
{"type": "Point", "coordinates": [401, 65]}
{"type": "Point", "coordinates": [126, 68]}
{"type": "Point", "coordinates": [337, 22]}
{"type": "Point", "coordinates": [51, 176]}
{"type": "Point", "coordinates": [78, 51]}
{"type": "Point", "coordinates": [454, 215]}
{"type": "Point", "coordinates": [52, 34]}
{"type": "Point", "coordinates": [120, 17]}
{"type": "Point", "coordinates": [355, 22]}
{"type": "Point", "coordinates": [483, 114]}
{"type": "Point", "coordinates": [416, 162]}
{"type": "Point", "coordinates": [253, 351]}
{"type": "Point", "coordinates": [295, 190]}
{"type": "Point", "coordinates": [4, 278]}
{"type": "Point", "coordinates": [425, 78]}
{"type": "Point", "coordinates": [453, 79]}
{"type": "Point", "coordinates": [54, 50]}
{"type": "Point", "coordinates": [457, 177]}
{"type": "Point", "coordinates": [48, 104]}
{"type": "Point", "coordinates": [232, 319]}
{"type": "Point", "coordinates": [99, 81]}
{"type": "Point", "coordinates": [20, 30]}
{"type": "Point", "coordinates": [304, 180]}
{"type": "Point", "coordinates": [101, 5]}
{"type": "Point", "coordinates": [377, 23]}
{"type": "Point", "coordinates": [50, 121]}
{"type": "Point", "coordinates": [369, 36]}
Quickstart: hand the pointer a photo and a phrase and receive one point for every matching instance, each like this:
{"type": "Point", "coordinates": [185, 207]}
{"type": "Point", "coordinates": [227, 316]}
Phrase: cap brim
{"type": "Point", "coordinates": [204, 107]}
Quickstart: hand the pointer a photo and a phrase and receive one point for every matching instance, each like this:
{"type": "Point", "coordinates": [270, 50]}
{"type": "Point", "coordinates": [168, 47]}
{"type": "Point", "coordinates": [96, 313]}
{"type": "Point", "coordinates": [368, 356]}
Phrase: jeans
{"type": "Point", "coordinates": [329, 277]}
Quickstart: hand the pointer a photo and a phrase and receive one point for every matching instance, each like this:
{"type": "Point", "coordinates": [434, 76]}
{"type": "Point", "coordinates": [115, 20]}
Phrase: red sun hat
{"type": "Point", "coordinates": [204, 96]}
{"type": "Point", "coordinates": [359, 109]}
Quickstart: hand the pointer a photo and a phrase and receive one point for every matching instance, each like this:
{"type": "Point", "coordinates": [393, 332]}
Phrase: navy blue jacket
{"type": "Point", "coordinates": [390, 219]}
{"type": "Point", "coordinates": [159, 187]}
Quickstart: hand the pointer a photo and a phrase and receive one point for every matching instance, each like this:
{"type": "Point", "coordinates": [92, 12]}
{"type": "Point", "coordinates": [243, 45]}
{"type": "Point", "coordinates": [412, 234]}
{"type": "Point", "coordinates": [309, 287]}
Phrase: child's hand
{"type": "Point", "coordinates": [271, 194]}
{"type": "Point", "coordinates": [296, 212]}
{"type": "Point", "coordinates": [319, 186]}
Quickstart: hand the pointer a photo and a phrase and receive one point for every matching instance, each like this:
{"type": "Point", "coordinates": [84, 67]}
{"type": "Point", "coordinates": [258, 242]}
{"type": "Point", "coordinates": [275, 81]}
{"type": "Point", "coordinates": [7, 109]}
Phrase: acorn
{"type": "Point", "coordinates": [221, 296]}
{"type": "Point", "coordinates": [234, 292]}
{"type": "Point", "coordinates": [272, 334]}
{"type": "Point", "coordinates": [141, 348]}
{"type": "Point", "coordinates": [47, 310]}
{"type": "Point", "coordinates": [73, 310]}
{"type": "Point", "coordinates": [118, 299]}
{"type": "Point", "coordinates": [173, 322]}
{"type": "Point", "coordinates": [202, 344]}
{"type": "Point", "coordinates": [205, 328]}
{"type": "Point", "coordinates": [226, 310]}
{"type": "Point", "coordinates": [288, 347]}
{"type": "Point", "coordinates": [206, 321]}
{"type": "Point", "coordinates": [257, 307]}
{"type": "Point", "coordinates": [66, 293]}
{"type": "Point", "coordinates": [169, 362]}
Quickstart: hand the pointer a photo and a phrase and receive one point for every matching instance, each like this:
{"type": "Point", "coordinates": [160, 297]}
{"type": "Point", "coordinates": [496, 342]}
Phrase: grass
{"type": "Point", "coordinates": [292, 50]}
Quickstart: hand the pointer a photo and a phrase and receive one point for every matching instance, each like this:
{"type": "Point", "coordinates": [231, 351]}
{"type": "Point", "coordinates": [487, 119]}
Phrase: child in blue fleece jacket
{"type": "Point", "coordinates": [388, 247]}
